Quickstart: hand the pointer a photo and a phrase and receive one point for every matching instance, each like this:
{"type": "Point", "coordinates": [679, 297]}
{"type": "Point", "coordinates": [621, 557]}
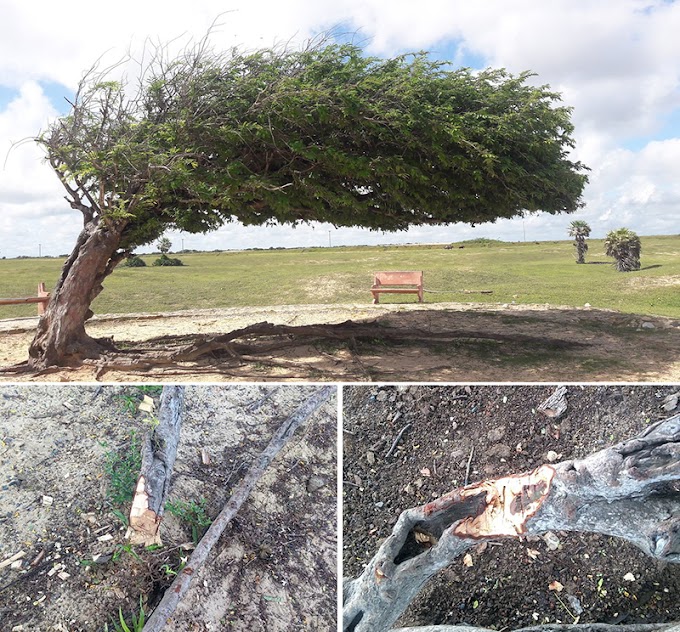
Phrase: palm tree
{"type": "Point", "coordinates": [579, 230]}
{"type": "Point", "coordinates": [624, 245]}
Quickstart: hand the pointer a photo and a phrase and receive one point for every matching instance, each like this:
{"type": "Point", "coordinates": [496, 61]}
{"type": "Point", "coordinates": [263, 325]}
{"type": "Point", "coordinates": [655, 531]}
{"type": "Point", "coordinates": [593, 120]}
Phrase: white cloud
{"type": "Point", "coordinates": [615, 62]}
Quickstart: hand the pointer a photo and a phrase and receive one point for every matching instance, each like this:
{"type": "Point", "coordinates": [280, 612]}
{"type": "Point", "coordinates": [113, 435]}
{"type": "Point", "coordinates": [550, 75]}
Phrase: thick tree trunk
{"type": "Point", "coordinates": [630, 490]}
{"type": "Point", "coordinates": [60, 339]}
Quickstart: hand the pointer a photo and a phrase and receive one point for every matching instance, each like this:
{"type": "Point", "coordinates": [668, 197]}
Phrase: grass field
{"type": "Point", "coordinates": [541, 272]}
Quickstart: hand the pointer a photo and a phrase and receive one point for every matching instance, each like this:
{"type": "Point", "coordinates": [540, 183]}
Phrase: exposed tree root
{"type": "Point", "coordinates": [252, 344]}
{"type": "Point", "coordinates": [630, 490]}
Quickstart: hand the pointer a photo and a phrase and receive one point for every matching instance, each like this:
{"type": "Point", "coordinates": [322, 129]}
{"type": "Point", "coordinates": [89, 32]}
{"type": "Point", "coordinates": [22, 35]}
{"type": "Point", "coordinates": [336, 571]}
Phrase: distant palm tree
{"type": "Point", "coordinates": [624, 245]}
{"type": "Point", "coordinates": [579, 230]}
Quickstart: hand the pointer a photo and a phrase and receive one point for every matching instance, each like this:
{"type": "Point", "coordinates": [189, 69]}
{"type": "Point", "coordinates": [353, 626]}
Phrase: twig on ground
{"type": "Point", "coordinates": [396, 441]}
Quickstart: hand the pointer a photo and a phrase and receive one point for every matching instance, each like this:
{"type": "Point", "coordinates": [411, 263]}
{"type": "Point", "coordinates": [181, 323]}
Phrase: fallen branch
{"type": "Point", "coordinates": [161, 615]}
{"type": "Point", "coordinates": [630, 490]}
{"type": "Point", "coordinates": [158, 460]}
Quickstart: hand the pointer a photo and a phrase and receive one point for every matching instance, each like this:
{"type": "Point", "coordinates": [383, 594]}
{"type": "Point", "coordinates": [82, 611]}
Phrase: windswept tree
{"type": "Point", "coordinates": [321, 134]}
{"type": "Point", "coordinates": [624, 245]}
{"type": "Point", "coordinates": [579, 230]}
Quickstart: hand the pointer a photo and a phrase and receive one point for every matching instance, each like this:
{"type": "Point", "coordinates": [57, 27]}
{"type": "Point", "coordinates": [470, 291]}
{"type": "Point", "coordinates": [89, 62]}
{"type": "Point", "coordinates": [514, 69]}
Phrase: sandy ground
{"type": "Point", "coordinates": [273, 569]}
{"type": "Point", "coordinates": [582, 344]}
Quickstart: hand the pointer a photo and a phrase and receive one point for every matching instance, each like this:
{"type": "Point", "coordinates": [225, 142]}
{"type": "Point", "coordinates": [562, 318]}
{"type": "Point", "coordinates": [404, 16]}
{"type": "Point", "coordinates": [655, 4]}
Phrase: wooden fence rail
{"type": "Point", "coordinates": [41, 299]}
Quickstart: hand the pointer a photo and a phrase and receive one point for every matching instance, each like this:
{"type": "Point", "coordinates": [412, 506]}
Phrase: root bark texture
{"type": "Point", "coordinates": [630, 490]}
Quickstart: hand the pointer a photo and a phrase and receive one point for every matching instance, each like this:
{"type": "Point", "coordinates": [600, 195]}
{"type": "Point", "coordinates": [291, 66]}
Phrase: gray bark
{"type": "Point", "coordinates": [159, 452]}
{"type": "Point", "coordinates": [630, 490]}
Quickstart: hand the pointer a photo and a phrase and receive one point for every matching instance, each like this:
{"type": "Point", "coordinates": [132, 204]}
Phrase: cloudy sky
{"type": "Point", "coordinates": [616, 62]}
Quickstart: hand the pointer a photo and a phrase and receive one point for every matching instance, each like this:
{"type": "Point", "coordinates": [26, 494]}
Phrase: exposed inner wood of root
{"type": "Point", "coordinates": [630, 490]}
{"type": "Point", "coordinates": [162, 614]}
{"type": "Point", "coordinates": [159, 452]}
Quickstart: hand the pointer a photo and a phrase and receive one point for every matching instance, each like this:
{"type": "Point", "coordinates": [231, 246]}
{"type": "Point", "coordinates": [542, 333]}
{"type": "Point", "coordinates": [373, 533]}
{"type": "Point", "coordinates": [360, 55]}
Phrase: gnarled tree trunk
{"type": "Point", "coordinates": [630, 490]}
{"type": "Point", "coordinates": [60, 339]}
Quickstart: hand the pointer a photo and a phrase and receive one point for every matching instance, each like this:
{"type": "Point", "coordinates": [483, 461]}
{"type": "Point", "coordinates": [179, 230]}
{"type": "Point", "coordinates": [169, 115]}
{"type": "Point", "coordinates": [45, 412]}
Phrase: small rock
{"type": "Point", "coordinates": [629, 577]}
{"type": "Point", "coordinates": [105, 538]}
{"type": "Point", "coordinates": [551, 541]}
{"type": "Point", "coordinates": [496, 434]}
{"type": "Point", "coordinates": [552, 456]}
{"type": "Point", "coordinates": [16, 565]}
{"type": "Point", "coordinates": [315, 483]}
{"type": "Point", "coordinates": [670, 402]}
{"type": "Point", "coordinates": [370, 457]}
{"type": "Point", "coordinates": [575, 604]}
{"type": "Point", "coordinates": [500, 450]}
{"type": "Point", "coordinates": [381, 396]}
{"type": "Point", "coordinates": [47, 501]}
{"type": "Point", "coordinates": [380, 504]}
{"type": "Point", "coordinates": [587, 305]}
{"type": "Point", "coordinates": [647, 325]}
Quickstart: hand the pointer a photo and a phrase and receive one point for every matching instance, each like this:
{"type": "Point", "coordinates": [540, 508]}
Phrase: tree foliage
{"type": "Point", "coordinates": [323, 134]}
{"type": "Point", "coordinates": [579, 230]}
{"type": "Point", "coordinates": [164, 245]}
{"type": "Point", "coordinates": [624, 245]}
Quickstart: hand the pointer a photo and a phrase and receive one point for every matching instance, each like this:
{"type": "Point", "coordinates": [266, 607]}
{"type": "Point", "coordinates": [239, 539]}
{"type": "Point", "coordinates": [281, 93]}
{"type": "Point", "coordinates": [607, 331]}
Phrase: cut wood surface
{"type": "Point", "coordinates": [630, 490]}
{"type": "Point", "coordinates": [159, 452]}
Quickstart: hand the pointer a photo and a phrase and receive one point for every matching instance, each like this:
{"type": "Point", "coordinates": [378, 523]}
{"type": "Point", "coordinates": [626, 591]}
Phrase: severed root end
{"type": "Point", "coordinates": [144, 523]}
{"type": "Point", "coordinates": [510, 502]}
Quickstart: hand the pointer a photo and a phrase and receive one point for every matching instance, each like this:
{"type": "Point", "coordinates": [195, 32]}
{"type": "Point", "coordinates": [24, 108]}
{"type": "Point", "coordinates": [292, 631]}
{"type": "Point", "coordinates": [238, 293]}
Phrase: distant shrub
{"type": "Point", "coordinates": [135, 262]}
{"type": "Point", "coordinates": [164, 260]}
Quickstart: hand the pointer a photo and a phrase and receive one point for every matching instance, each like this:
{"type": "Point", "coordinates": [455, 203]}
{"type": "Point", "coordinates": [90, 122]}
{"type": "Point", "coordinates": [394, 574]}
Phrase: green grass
{"type": "Point", "coordinates": [543, 272]}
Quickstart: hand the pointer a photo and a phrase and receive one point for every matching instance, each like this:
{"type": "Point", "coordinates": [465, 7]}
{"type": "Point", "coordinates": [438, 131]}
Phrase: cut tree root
{"type": "Point", "coordinates": [163, 612]}
{"type": "Point", "coordinates": [630, 490]}
{"type": "Point", "coordinates": [158, 460]}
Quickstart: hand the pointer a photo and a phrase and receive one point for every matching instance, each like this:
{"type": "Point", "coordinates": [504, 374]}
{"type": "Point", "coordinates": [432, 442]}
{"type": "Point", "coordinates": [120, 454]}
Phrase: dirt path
{"type": "Point", "coordinates": [615, 346]}
{"type": "Point", "coordinates": [273, 569]}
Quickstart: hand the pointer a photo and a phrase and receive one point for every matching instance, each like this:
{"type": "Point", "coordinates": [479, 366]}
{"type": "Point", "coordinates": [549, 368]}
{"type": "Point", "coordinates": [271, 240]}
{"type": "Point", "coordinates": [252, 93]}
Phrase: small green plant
{"type": "Point", "coordinates": [129, 403]}
{"type": "Point", "coordinates": [122, 470]}
{"type": "Point", "coordinates": [151, 390]}
{"type": "Point", "coordinates": [192, 514]}
{"type": "Point", "coordinates": [125, 548]}
{"type": "Point", "coordinates": [137, 623]}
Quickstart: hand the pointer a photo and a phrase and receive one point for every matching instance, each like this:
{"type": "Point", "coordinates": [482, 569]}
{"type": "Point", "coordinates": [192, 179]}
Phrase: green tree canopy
{"type": "Point", "coordinates": [322, 134]}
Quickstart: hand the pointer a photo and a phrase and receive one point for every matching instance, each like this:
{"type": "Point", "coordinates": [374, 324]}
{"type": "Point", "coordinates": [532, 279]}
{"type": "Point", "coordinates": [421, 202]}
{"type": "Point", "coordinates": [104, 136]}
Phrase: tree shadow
{"type": "Point", "coordinates": [658, 265]}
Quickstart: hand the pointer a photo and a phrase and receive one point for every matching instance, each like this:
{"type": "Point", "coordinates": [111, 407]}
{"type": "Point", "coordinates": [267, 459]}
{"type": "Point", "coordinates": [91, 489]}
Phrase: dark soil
{"type": "Point", "coordinates": [507, 585]}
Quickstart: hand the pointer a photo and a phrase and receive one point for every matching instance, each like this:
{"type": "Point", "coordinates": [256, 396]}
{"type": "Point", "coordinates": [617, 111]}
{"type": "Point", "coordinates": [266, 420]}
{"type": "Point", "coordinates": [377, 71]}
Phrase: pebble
{"type": "Point", "coordinates": [315, 483]}
{"type": "Point", "coordinates": [647, 325]}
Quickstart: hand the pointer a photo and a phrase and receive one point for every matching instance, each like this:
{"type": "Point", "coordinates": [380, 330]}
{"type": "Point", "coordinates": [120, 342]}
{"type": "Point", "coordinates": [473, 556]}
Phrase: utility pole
{"type": "Point", "coordinates": [329, 239]}
{"type": "Point", "coordinates": [39, 250]}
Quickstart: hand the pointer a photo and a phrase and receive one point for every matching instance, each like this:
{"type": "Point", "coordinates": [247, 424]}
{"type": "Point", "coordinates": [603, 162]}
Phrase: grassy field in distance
{"type": "Point", "coordinates": [533, 272]}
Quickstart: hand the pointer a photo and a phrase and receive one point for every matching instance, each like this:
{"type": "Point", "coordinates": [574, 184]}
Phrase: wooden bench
{"type": "Point", "coordinates": [41, 299]}
{"type": "Point", "coordinates": [397, 283]}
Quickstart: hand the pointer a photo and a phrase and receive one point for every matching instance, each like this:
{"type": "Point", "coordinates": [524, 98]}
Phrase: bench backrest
{"type": "Point", "coordinates": [398, 278]}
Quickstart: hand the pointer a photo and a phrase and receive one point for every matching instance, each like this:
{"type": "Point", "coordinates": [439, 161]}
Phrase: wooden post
{"type": "Point", "coordinates": [42, 293]}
